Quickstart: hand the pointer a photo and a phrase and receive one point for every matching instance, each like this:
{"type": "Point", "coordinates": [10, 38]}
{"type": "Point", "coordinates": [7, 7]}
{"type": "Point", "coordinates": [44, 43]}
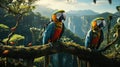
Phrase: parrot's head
{"type": "Point", "coordinates": [98, 23]}
{"type": "Point", "coordinates": [59, 16]}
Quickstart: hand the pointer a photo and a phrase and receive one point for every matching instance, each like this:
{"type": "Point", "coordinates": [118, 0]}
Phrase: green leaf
{"type": "Point", "coordinates": [4, 26]}
{"type": "Point", "coordinates": [14, 38]}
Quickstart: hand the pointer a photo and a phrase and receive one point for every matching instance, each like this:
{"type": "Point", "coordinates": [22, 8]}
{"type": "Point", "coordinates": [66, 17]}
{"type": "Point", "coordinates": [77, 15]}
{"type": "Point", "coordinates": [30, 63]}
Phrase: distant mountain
{"type": "Point", "coordinates": [48, 12]}
{"type": "Point", "coordinates": [82, 12]}
{"type": "Point", "coordinates": [81, 24]}
{"type": "Point", "coordinates": [117, 14]}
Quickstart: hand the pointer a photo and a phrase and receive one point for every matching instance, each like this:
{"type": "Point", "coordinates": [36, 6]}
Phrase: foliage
{"type": "Point", "coordinates": [38, 62]}
{"type": "Point", "coordinates": [15, 38]}
{"type": "Point", "coordinates": [114, 50]}
{"type": "Point", "coordinates": [17, 6]}
{"type": "Point", "coordinates": [68, 34]}
{"type": "Point", "coordinates": [30, 21]}
{"type": "Point", "coordinates": [4, 27]}
{"type": "Point", "coordinates": [40, 59]}
{"type": "Point", "coordinates": [66, 39]}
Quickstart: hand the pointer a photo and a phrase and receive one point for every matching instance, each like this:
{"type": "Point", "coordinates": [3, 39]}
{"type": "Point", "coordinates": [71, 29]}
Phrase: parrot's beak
{"type": "Point", "coordinates": [64, 16]}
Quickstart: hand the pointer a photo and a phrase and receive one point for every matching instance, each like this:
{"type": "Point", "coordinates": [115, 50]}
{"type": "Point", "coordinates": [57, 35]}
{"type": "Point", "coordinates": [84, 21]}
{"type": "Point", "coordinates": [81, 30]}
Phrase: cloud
{"type": "Point", "coordinates": [63, 4]}
{"type": "Point", "coordinates": [75, 4]}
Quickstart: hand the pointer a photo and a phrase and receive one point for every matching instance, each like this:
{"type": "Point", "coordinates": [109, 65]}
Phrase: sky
{"type": "Point", "coordinates": [68, 5]}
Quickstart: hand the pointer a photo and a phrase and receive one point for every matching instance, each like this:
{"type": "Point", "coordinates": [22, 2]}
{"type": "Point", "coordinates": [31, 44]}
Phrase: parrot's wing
{"type": "Point", "coordinates": [49, 32]}
{"type": "Point", "coordinates": [63, 28]}
{"type": "Point", "coordinates": [88, 38]}
{"type": "Point", "coordinates": [101, 39]}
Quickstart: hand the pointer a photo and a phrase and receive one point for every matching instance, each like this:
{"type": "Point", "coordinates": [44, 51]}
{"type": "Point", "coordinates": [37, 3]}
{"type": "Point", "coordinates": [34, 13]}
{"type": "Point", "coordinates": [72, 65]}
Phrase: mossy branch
{"type": "Point", "coordinates": [67, 47]}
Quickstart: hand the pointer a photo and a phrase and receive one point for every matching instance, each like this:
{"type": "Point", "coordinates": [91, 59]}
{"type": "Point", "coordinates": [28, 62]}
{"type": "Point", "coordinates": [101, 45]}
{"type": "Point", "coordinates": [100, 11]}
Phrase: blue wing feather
{"type": "Point", "coordinates": [88, 38]}
{"type": "Point", "coordinates": [49, 32]}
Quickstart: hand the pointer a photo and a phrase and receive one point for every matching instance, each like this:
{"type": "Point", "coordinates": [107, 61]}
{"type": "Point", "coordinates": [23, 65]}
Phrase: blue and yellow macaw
{"type": "Point", "coordinates": [54, 31]}
{"type": "Point", "coordinates": [95, 35]}
{"type": "Point", "coordinates": [55, 28]}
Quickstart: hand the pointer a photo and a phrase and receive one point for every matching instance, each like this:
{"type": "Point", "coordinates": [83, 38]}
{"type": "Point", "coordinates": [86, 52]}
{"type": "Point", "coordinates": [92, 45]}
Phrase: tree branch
{"type": "Point", "coordinates": [67, 47]}
{"type": "Point", "coordinates": [114, 41]}
{"type": "Point", "coordinates": [109, 44]}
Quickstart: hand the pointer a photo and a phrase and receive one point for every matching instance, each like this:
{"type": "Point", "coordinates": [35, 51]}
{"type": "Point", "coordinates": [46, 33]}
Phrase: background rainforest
{"type": "Point", "coordinates": [20, 27]}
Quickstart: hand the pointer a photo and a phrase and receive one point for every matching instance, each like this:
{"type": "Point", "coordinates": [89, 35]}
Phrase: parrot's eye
{"type": "Point", "coordinates": [99, 22]}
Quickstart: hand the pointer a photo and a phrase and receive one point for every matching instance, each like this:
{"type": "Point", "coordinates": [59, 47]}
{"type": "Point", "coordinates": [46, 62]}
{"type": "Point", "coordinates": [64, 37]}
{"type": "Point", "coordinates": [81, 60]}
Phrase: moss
{"type": "Point", "coordinates": [38, 60]}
